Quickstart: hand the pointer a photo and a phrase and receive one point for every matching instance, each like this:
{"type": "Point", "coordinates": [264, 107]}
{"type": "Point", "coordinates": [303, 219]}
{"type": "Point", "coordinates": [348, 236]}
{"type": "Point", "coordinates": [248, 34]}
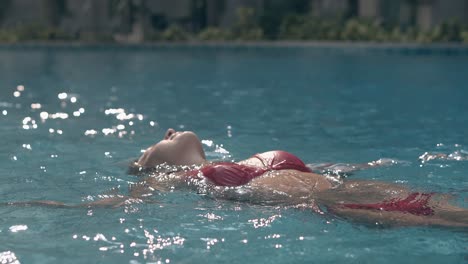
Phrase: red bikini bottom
{"type": "Point", "coordinates": [416, 203]}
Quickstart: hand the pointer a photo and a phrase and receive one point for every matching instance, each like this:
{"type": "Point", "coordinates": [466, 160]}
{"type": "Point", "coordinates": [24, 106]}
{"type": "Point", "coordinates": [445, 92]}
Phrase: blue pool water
{"type": "Point", "coordinates": [70, 116]}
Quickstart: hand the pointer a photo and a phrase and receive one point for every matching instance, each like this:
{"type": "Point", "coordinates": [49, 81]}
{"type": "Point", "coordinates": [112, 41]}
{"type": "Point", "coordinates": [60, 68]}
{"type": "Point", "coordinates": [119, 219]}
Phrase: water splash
{"type": "Point", "coordinates": [18, 228]}
{"type": "Point", "coordinates": [264, 222]}
{"type": "Point", "coordinates": [446, 153]}
{"type": "Point", "coordinates": [8, 257]}
{"type": "Point", "coordinates": [215, 151]}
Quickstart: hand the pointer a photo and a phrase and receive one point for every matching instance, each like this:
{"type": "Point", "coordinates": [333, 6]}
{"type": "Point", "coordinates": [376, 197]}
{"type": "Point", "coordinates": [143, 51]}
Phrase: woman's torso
{"type": "Point", "coordinates": [241, 173]}
{"type": "Point", "coordinates": [269, 177]}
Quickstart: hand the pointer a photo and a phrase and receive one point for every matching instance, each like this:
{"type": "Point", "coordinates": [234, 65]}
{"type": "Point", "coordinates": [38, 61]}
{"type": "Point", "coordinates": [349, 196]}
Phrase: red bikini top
{"type": "Point", "coordinates": [233, 174]}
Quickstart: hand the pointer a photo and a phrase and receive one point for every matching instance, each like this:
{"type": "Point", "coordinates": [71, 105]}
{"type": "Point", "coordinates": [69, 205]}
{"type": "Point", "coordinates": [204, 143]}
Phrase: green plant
{"type": "Point", "coordinates": [310, 28]}
{"type": "Point", "coordinates": [448, 31]}
{"type": "Point", "coordinates": [213, 33]}
{"type": "Point", "coordinates": [292, 27]}
{"type": "Point", "coordinates": [423, 37]}
{"type": "Point", "coordinates": [247, 27]}
{"type": "Point", "coordinates": [7, 36]}
{"type": "Point", "coordinates": [464, 36]}
{"type": "Point", "coordinates": [356, 30]}
{"type": "Point", "coordinates": [175, 33]}
{"type": "Point", "coordinates": [33, 32]}
{"type": "Point", "coordinates": [320, 29]}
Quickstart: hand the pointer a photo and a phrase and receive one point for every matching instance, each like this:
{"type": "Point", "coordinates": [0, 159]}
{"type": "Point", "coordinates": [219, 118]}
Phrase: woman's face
{"type": "Point", "coordinates": [176, 148]}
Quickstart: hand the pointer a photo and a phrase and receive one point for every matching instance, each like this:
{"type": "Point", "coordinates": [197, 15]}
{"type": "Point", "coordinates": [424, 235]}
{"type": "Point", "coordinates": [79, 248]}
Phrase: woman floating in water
{"type": "Point", "coordinates": [280, 178]}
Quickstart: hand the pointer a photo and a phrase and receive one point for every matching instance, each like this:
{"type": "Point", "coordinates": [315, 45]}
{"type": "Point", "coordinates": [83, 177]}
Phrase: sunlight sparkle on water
{"type": "Point", "coordinates": [27, 146]}
{"type": "Point", "coordinates": [26, 120]}
{"type": "Point", "coordinates": [208, 143]}
{"type": "Point", "coordinates": [108, 131]}
{"type": "Point", "coordinates": [44, 115]}
{"type": "Point", "coordinates": [99, 237]}
{"type": "Point", "coordinates": [211, 242]}
{"type": "Point", "coordinates": [121, 115]}
{"type": "Point", "coordinates": [229, 131]}
{"type": "Point", "coordinates": [36, 106]}
{"type": "Point", "coordinates": [58, 115]}
{"type": "Point", "coordinates": [8, 257]}
{"type": "Point", "coordinates": [90, 132]}
{"type": "Point", "coordinates": [211, 216]}
{"type": "Point", "coordinates": [18, 228]}
{"type": "Point", "coordinates": [62, 96]}
{"type": "Point", "coordinates": [114, 111]}
{"type": "Point", "coordinates": [29, 123]}
{"type": "Point", "coordinates": [264, 222]}
{"type": "Point", "coordinates": [274, 236]}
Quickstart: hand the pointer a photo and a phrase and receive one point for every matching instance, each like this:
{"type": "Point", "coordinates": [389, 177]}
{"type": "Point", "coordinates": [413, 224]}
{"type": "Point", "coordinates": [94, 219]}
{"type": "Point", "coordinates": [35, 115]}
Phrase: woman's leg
{"type": "Point", "coordinates": [394, 218]}
{"type": "Point", "coordinates": [380, 203]}
{"type": "Point", "coordinates": [415, 209]}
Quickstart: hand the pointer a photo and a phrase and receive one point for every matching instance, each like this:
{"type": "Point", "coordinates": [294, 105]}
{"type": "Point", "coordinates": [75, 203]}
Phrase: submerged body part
{"type": "Point", "coordinates": [279, 178]}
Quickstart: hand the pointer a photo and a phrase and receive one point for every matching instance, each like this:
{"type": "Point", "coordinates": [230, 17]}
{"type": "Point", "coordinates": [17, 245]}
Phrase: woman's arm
{"type": "Point", "coordinates": [108, 202]}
